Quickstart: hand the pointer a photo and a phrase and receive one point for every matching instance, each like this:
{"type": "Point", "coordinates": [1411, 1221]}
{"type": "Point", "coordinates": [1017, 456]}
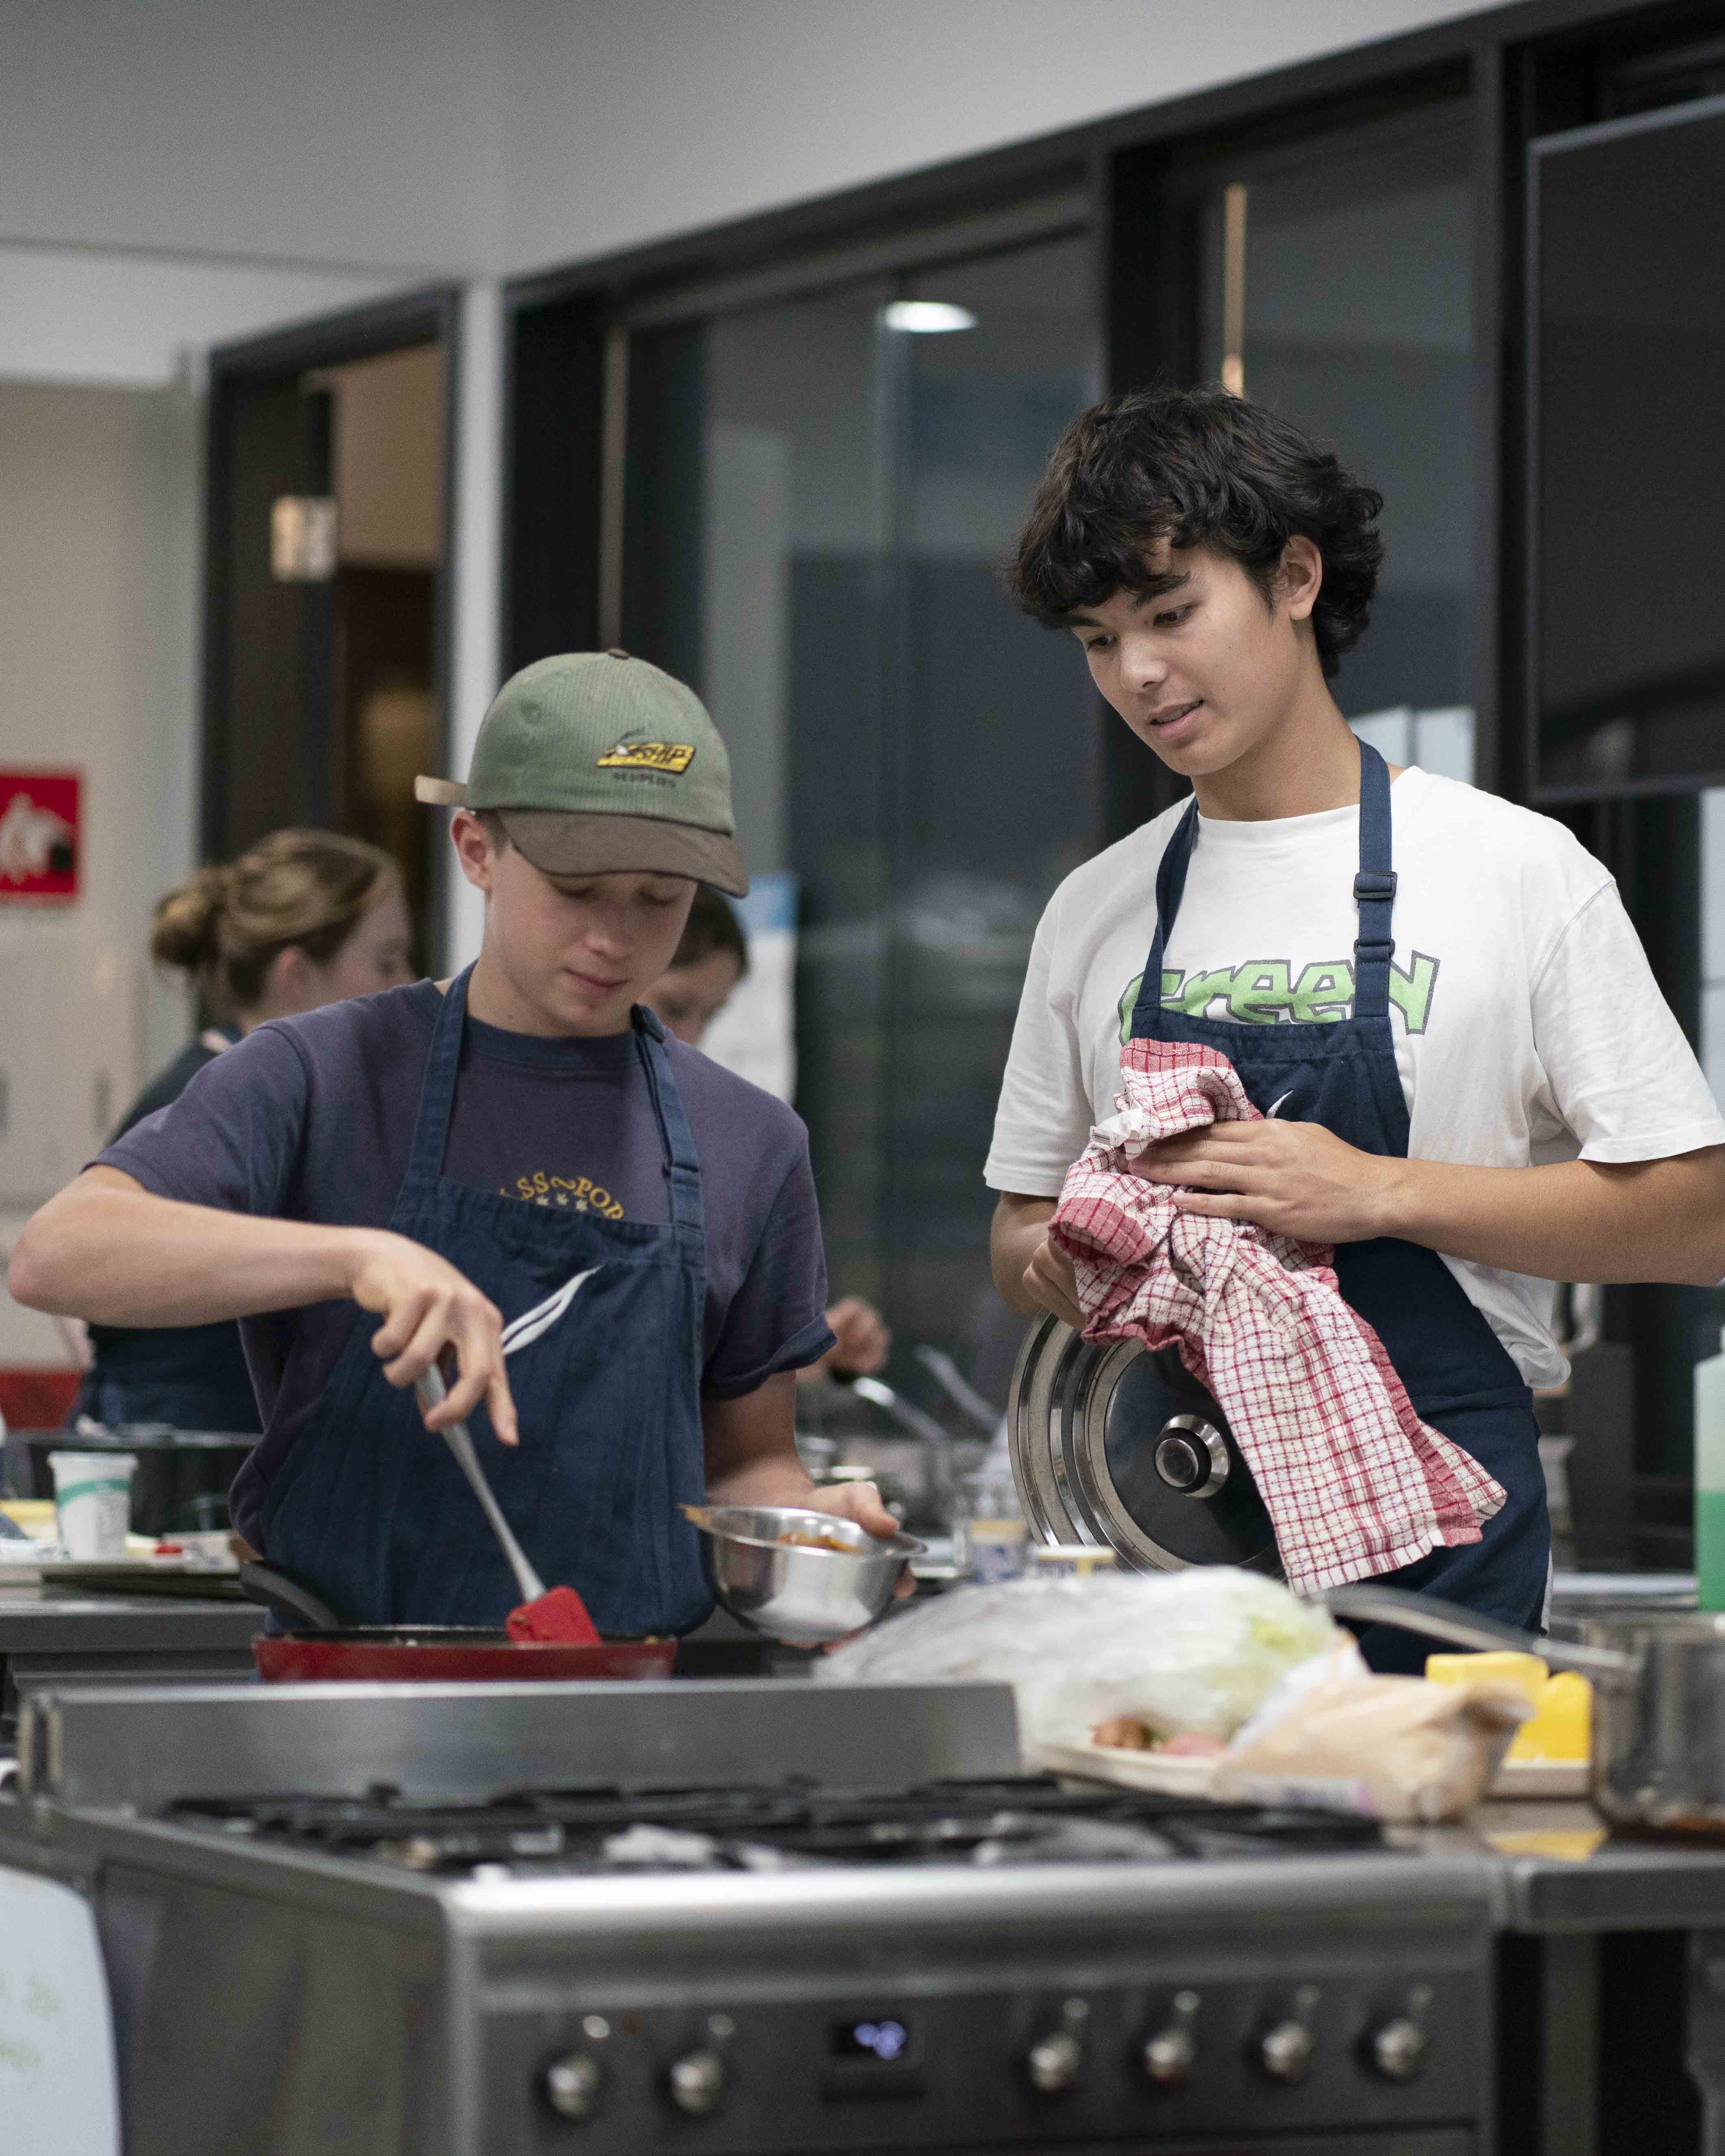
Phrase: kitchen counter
{"type": "Point", "coordinates": [1558, 1870]}
{"type": "Point", "coordinates": [1597, 2013]}
{"type": "Point", "coordinates": [48, 1637]}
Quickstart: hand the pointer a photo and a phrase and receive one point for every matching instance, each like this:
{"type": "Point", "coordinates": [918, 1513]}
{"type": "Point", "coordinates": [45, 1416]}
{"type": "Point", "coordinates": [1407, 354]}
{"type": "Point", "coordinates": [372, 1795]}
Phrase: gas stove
{"type": "Point", "coordinates": [732, 1917]}
{"type": "Point", "coordinates": [588, 1832]}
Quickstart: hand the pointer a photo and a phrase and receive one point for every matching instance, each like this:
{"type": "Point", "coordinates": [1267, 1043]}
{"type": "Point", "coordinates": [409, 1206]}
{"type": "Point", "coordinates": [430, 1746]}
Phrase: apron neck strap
{"type": "Point", "coordinates": [1373, 889]}
{"type": "Point", "coordinates": [436, 1100]}
{"type": "Point", "coordinates": [437, 1089]}
{"type": "Point", "coordinates": [682, 1163]}
{"type": "Point", "coordinates": [1373, 893]}
{"type": "Point", "coordinates": [1170, 888]}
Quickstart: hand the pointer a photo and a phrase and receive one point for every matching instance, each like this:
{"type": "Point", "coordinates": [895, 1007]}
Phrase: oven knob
{"type": "Point", "coordinates": [1285, 2050]}
{"type": "Point", "coordinates": [696, 2082]}
{"type": "Point", "coordinates": [1169, 2056]}
{"type": "Point", "coordinates": [1053, 2063]}
{"type": "Point", "coordinates": [574, 2086]}
{"type": "Point", "coordinates": [1400, 2049]}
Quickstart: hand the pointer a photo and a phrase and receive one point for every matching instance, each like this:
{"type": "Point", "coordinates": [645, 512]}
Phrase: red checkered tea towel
{"type": "Point", "coordinates": [1355, 1483]}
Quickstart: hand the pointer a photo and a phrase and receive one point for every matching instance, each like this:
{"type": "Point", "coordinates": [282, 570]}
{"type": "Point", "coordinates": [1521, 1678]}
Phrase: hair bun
{"type": "Point", "coordinates": [187, 926]}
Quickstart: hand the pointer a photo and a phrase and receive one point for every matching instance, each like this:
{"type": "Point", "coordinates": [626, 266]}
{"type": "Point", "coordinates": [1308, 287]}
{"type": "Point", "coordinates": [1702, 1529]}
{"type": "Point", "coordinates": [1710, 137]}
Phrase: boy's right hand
{"type": "Point", "coordinates": [427, 1306]}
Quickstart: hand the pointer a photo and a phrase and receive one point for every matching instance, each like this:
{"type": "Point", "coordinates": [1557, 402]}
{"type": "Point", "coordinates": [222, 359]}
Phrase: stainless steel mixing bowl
{"type": "Point", "coordinates": [791, 1592]}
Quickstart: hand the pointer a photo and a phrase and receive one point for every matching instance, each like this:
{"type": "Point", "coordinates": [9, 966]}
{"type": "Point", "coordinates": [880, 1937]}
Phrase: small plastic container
{"type": "Point", "coordinates": [990, 1540]}
{"type": "Point", "coordinates": [92, 1495]}
{"type": "Point", "coordinates": [1072, 1560]}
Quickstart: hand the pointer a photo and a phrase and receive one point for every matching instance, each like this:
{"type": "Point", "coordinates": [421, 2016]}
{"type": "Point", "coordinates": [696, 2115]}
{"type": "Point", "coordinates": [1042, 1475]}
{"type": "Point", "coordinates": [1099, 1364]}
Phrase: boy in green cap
{"type": "Point", "coordinates": [612, 1243]}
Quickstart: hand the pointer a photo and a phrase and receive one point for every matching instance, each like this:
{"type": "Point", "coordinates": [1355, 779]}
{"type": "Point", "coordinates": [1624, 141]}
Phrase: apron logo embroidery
{"type": "Point", "coordinates": [1263, 991]}
{"type": "Point", "coordinates": [580, 1195]}
{"type": "Point", "coordinates": [673, 756]}
{"type": "Point", "coordinates": [533, 1324]}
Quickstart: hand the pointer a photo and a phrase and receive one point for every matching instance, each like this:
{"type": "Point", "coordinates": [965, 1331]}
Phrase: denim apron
{"type": "Point", "coordinates": [370, 1508]}
{"type": "Point", "coordinates": [1343, 1074]}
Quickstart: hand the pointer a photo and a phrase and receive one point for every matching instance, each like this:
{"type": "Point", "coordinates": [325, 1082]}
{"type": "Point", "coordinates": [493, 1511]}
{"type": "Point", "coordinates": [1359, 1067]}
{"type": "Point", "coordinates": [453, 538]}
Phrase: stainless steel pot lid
{"type": "Point", "coordinates": [1114, 1447]}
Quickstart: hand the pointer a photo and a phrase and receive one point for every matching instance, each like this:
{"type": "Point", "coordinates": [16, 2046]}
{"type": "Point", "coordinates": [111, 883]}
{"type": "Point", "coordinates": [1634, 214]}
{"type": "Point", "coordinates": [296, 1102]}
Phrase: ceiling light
{"type": "Point", "coordinates": [926, 318]}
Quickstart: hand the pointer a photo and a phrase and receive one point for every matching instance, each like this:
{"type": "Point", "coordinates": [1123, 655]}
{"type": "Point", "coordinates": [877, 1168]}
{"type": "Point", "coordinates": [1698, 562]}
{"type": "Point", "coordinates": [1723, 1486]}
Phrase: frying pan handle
{"type": "Point", "coordinates": [280, 1593]}
{"type": "Point", "coordinates": [1466, 1628]}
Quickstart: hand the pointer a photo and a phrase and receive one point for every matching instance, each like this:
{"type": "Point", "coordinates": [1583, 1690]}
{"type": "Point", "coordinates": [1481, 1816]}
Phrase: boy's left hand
{"type": "Point", "coordinates": [1296, 1179]}
{"type": "Point", "coordinates": [860, 1502]}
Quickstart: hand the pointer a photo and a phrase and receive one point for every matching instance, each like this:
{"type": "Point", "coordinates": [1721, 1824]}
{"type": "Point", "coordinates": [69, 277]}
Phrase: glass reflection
{"type": "Point", "coordinates": [1339, 278]}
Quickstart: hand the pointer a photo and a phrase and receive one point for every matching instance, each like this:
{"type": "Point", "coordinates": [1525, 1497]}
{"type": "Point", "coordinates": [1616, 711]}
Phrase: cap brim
{"type": "Point", "coordinates": [442, 792]}
{"type": "Point", "coordinates": [564, 843]}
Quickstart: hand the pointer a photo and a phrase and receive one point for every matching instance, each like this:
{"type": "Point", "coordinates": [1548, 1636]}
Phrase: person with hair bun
{"type": "Point", "coordinates": [1468, 1082]}
{"type": "Point", "coordinates": [302, 919]}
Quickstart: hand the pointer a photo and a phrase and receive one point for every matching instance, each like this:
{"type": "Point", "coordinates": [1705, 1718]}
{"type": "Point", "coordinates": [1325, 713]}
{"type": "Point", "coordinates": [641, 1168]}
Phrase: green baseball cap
{"type": "Point", "coordinates": [600, 763]}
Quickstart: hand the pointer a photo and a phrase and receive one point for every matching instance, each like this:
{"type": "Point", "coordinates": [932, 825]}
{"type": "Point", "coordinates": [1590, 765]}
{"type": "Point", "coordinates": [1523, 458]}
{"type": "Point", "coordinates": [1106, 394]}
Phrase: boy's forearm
{"type": "Point", "coordinates": [1019, 1227]}
{"type": "Point", "coordinates": [1581, 1220]}
{"type": "Point", "coordinates": [106, 1250]}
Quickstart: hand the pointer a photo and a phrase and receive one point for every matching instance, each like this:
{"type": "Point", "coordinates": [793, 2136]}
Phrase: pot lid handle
{"type": "Point", "coordinates": [1439, 1619]}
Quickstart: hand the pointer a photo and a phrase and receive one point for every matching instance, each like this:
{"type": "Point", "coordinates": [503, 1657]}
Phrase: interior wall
{"type": "Point", "coordinates": [370, 137]}
{"type": "Point", "coordinates": [431, 136]}
{"type": "Point", "coordinates": [99, 524]}
{"type": "Point", "coordinates": [641, 118]}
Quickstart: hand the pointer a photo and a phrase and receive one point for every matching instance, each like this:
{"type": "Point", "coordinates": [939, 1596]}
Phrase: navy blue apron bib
{"type": "Point", "coordinates": [369, 1507]}
{"type": "Point", "coordinates": [1343, 1074]}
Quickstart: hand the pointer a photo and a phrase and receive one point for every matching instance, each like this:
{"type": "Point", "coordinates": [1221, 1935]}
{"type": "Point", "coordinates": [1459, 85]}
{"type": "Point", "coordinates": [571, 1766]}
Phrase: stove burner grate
{"type": "Point", "coordinates": [1033, 1818]}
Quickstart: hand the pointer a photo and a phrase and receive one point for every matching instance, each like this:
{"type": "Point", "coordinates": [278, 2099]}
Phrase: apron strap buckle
{"type": "Point", "coordinates": [1372, 884]}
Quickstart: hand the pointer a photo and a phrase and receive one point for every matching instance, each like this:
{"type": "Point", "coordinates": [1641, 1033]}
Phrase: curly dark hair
{"type": "Point", "coordinates": [1195, 467]}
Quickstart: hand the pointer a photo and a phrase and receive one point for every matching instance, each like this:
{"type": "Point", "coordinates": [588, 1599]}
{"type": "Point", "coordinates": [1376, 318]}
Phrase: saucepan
{"type": "Point", "coordinates": [1658, 1679]}
{"type": "Point", "coordinates": [321, 1649]}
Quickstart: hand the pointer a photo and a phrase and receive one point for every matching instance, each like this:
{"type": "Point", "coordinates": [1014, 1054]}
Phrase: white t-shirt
{"type": "Point", "coordinates": [1526, 1023]}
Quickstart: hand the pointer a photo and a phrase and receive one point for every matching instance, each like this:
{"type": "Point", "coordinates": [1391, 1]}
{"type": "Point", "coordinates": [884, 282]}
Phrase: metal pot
{"type": "Point", "coordinates": [1659, 1698]}
{"type": "Point", "coordinates": [1120, 1448]}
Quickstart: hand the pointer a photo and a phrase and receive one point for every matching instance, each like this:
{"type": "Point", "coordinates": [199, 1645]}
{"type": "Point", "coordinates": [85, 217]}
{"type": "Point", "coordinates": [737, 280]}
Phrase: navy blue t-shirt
{"type": "Point", "coordinates": [310, 1119]}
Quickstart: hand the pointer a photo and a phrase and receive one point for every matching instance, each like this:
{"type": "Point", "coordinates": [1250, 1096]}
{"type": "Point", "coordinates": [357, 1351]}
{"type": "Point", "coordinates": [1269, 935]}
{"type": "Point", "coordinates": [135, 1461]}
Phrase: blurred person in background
{"type": "Point", "coordinates": [304, 918]}
{"type": "Point", "coordinates": [710, 960]}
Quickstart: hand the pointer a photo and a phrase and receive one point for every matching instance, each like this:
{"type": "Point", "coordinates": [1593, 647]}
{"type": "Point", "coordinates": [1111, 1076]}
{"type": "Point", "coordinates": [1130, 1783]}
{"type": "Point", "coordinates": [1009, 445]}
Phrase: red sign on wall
{"type": "Point", "coordinates": [39, 835]}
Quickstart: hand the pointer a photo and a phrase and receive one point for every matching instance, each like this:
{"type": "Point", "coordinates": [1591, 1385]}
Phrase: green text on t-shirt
{"type": "Point", "coordinates": [1263, 991]}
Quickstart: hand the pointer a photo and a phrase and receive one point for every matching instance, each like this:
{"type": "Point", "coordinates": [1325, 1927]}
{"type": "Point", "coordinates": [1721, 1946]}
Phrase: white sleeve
{"type": "Point", "coordinates": [1042, 1121]}
{"type": "Point", "coordinates": [1619, 1073]}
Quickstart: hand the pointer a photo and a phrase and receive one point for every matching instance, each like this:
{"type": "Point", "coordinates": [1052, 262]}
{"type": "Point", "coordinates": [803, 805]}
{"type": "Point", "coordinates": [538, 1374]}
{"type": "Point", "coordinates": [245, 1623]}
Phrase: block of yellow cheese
{"type": "Point", "coordinates": [1563, 1705]}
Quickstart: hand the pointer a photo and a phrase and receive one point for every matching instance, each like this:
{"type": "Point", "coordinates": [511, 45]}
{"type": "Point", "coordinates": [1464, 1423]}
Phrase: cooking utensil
{"type": "Point", "coordinates": [432, 1391]}
{"type": "Point", "coordinates": [1658, 1759]}
{"type": "Point", "coordinates": [936, 1440]}
{"type": "Point", "coordinates": [1116, 1447]}
{"type": "Point", "coordinates": [321, 1649]}
{"type": "Point", "coordinates": [957, 1387]}
{"type": "Point", "coordinates": [793, 1591]}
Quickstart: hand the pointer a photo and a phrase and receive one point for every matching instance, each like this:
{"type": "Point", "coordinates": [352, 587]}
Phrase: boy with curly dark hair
{"type": "Point", "coordinates": [1479, 1089]}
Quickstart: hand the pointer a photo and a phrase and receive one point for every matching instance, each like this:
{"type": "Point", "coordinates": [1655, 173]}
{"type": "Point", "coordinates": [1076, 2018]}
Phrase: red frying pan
{"type": "Point", "coordinates": [322, 1650]}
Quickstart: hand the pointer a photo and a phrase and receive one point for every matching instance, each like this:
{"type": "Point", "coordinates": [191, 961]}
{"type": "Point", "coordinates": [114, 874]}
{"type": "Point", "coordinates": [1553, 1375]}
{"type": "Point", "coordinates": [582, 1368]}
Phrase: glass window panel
{"type": "Point", "coordinates": [1352, 314]}
{"type": "Point", "coordinates": [1630, 435]}
{"type": "Point", "coordinates": [997, 772]}
{"type": "Point", "coordinates": [819, 506]}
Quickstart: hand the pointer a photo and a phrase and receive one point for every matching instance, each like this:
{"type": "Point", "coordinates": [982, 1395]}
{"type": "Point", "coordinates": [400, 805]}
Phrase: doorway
{"type": "Point", "coordinates": [326, 640]}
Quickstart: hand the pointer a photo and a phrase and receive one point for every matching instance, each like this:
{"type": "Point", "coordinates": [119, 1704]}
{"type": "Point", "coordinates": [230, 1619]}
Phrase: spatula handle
{"type": "Point", "coordinates": [431, 1390]}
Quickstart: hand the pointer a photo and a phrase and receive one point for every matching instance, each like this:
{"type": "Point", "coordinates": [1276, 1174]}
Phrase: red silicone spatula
{"type": "Point", "coordinates": [557, 1614]}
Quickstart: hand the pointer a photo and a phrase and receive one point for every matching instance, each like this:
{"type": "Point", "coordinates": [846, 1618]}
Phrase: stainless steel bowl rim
{"type": "Point", "coordinates": [896, 1545]}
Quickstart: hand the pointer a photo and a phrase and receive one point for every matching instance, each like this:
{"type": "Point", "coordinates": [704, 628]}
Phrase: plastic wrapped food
{"type": "Point", "coordinates": [1187, 1651]}
{"type": "Point", "coordinates": [1392, 1748]}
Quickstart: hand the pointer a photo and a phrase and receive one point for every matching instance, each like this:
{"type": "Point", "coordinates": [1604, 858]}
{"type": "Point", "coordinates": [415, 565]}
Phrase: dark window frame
{"type": "Point", "coordinates": [429, 316]}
